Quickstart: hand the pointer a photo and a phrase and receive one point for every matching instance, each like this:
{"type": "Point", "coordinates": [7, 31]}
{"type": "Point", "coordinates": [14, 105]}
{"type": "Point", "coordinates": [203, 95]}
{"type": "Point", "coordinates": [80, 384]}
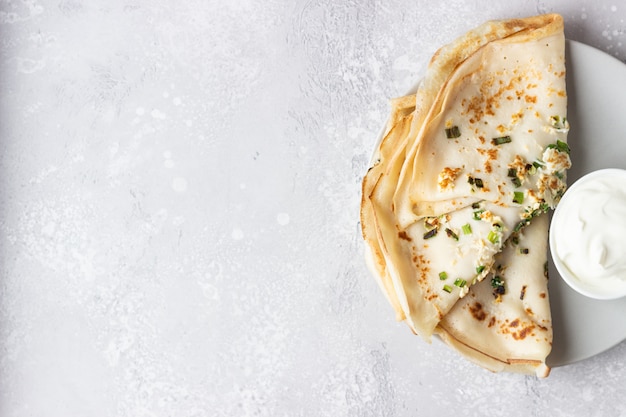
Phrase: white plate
{"type": "Point", "coordinates": [596, 92]}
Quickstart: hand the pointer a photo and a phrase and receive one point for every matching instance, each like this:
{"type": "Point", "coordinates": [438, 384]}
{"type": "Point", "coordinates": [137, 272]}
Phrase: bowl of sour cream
{"type": "Point", "coordinates": [588, 235]}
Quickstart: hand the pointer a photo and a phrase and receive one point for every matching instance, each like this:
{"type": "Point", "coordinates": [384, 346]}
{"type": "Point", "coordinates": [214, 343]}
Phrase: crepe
{"type": "Point", "coordinates": [511, 331]}
{"type": "Point", "coordinates": [469, 160]}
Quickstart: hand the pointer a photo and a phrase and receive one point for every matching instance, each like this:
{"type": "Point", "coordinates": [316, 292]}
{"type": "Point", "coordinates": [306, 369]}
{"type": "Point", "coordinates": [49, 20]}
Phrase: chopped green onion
{"type": "Point", "coordinates": [498, 285]}
{"type": "Point", "coordinates": [516, 182]}
{"type": "Point", "coordinates": [496, 281]}
{"type": "Point", "coordinates": [476, 205]}
{"type": "Point", "coordinates": [515, 240]}
{"type": "Point", "coordinates": [447, 288]}
{"type": "Point", "coordinates": [512, 172]}
{"type": "Point", "coordinates": [538, 164]}
{"type": "Point", "coordinates": [443, 275]}
{"type": "Point", "coordinates": [524, 251]}
{"type": "Point", "coordinates": [460, 282]}
{"type": "Point", "coordinates": [477, 214]}
{"type": "Point", "coordinates": [475, 181]}
{"type": "Point", "coordinates": [451, 234]}
{"type": "Point", "coordinates": [480, 269]}
{"type": "Point", "coordinates": [518, 197]}
{"type": "Point", "coordinates": [430, 233]}
{"type": "Point", "coordinates": [467, 229]}
{"type": "Point", "coordinates": [492, 236]}
{"type": "Point", "coordinates": [497, 226]}
{"type": "Point", "coordinates": [453, 132]}
{"type": "Point", "coordinates": [560, 146]}
{"type": "Point", "coordinates": [520, 225]}
{"type": "Point", "coordinates": [501, 140]}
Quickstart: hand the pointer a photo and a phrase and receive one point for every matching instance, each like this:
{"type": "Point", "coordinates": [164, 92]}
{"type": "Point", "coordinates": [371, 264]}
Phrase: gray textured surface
{"type": "Point", "coordinates": [179, 213]}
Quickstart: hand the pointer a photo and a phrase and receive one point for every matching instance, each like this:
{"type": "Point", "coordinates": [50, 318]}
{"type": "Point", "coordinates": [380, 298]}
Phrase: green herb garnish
{"type": "Point", "coordinates": [475, 181]}
{"type": "Point", "coordinates": [451, 234]}
{"type": "Point", "coordinates": [447, 288]}
{"type": "Point", "coordinates": [460, 282]}
{"type": "Point", "coordinates": [480, 269]}
{"type": "Point", "coordinates": [518, 197]}
{"type": "Point", "coordinates": [430, 233]}
{"type": "Point", "coordinates": [501, 140]}
{"type": "Point", "coordinates": [453, 132]}
{"type": "Point", "coordinates": [492, 236]}
{"type": "Point", "coordinates": [560, 146]}
{"type": "Point", "coordinates": [443, 275]}
{"type": "Point", "coordinates": [520, 225]}
{"type": "Point", "coordinates": [497, 284]}
{"type": "Point", "coordinates": [467, 229]}
{"type": "Point", "coordinates": [516, 182]}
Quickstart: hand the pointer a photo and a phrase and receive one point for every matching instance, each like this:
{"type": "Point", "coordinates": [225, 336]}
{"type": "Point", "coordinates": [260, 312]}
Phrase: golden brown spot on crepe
{"type": "Point", "coordinates": [521, 335]}
{"type": "Point", "coordinates": [530, 99]}
{"type": "Point", "coordinates": [561, 93]}
{"type": "Point", "coordinates": [481, 139]}
{"type": "Point", "coordinates": [488, 100]}
{"type": "Point", "coordinates": [423, 268]}
{"type": "Point", "coordinates": [492, 322]}
{"type": "Point", "coordinates": [514, 323]}
{"type": "Point", "coordinates": [477, 311]}
{"type": "Point", "coordinates": [516, 117]}
{"type": "Point", "coordinates": [491, 154]}
{"type": "Point", "coordinates": [402, 235]}
{"type": "Point", "coordinates": [542, 295]}
{"type": "Point", "coordinates": [530, 312]}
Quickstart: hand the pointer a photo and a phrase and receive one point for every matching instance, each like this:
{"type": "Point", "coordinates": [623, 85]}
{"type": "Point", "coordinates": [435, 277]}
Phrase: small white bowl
{"type": "Point", "coordinates": [561, 234]}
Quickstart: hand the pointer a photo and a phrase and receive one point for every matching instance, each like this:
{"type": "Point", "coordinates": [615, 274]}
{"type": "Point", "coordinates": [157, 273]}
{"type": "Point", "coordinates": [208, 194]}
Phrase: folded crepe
{"type": "Point", "coordinates": [468, 161]}
{"type": "Point", "coordinates": [511, 331]}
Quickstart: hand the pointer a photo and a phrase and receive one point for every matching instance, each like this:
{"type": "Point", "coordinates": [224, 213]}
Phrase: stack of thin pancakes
{"type": "Point", "coordinates": [454, 206]}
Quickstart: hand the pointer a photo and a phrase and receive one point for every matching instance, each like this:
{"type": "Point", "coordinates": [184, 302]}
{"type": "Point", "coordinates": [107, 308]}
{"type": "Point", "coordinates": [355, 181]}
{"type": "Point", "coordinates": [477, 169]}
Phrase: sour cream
{"type": "Point", "coordinates": [588, 235]}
